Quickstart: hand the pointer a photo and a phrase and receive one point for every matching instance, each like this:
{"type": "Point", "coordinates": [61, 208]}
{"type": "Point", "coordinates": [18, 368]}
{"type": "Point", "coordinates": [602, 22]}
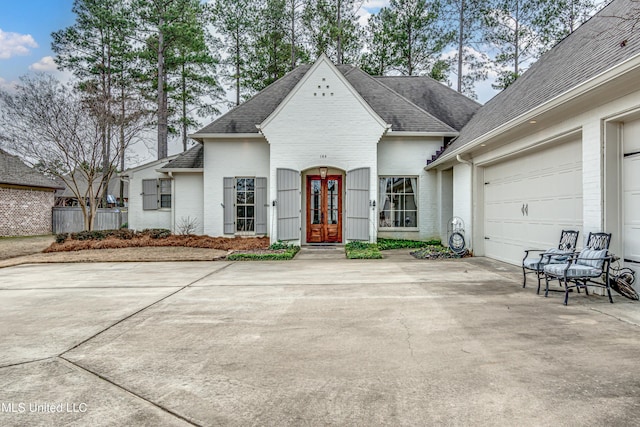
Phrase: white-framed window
{"type": "Point", "coordinates": [398, 202]}
{"type": "Point", "coordinates": [245, 204]}
{"type": "Point", "coordinates": [156, 194]}
{"type": "Point", "coordinates": [165, 193]}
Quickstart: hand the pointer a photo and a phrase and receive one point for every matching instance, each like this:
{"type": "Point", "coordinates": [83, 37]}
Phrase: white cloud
{"type": "Point", "coordinates": [368, 8]}
{"type": "Point", "coordinates": [45, 64]}
{"type": "Point", "coordinates": [14, 44]}
{"type": "Point", "coordinates": [5, 85]}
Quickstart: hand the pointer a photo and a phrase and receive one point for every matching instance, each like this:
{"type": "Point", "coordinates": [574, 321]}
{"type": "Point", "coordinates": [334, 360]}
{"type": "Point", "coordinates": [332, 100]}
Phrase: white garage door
{"type": "Point", "coordinates": [631, 198]}
{"type": "Point", "coordinates": [530, 199]}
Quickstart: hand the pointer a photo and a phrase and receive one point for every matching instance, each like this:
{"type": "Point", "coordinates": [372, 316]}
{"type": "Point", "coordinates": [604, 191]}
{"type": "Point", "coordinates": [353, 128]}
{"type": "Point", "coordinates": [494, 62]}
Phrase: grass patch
{"type": "Point", "coordinates": [387, 244]}
{"type": "Point", "coordinates": [362, 250]}
{"type": "Point", "coordinates": [278, 251]}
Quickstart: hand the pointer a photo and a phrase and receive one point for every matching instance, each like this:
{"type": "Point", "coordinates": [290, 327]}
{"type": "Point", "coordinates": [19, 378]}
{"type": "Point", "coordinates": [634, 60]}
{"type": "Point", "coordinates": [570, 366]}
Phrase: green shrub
{"type": "Point", "coordinates": [283, 254]}
{"type": "Point", "coordinates": [125, 225]}
{"type": "Point", "coordinates": [362, 250]}
{"type": "Point", "coordinates": [279, 245]}
{"type": "Point", "coordinates": [62, 237]}
{"type": "Point", "coordinates": [386, 244]}
{"type": "Point", "coordinates": [88, 235]}
{"type": "Point", "coordinates": [156, 233]}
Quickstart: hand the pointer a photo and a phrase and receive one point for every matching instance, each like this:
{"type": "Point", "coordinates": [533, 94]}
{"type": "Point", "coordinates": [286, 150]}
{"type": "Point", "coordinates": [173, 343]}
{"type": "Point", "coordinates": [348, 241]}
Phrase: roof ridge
{"type": "Point", "coordinates": [408, 101]}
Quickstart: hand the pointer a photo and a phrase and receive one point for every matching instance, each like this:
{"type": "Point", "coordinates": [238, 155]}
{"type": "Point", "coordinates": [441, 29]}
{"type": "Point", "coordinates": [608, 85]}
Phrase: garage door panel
{"type": "Point", "coordinates": [631, 166]}
{"type": "Point", "coordinates": [549, 184]}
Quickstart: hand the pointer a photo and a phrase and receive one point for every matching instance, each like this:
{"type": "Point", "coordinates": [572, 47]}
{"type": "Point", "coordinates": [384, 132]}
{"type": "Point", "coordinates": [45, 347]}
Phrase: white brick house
{"type": "Point", "coordinates": [558, 149]}
{"type": "Point", "coordinates": [327, 154]}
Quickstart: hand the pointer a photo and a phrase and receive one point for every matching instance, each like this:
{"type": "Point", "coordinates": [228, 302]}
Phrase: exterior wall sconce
{"type": "Point", "coordinates": [323, 173]}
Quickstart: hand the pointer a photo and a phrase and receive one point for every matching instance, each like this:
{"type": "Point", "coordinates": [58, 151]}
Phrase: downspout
{"type": "Point", "coordinates": [173, 202]}
{"type": "Point", "coordinates": [472, 208]}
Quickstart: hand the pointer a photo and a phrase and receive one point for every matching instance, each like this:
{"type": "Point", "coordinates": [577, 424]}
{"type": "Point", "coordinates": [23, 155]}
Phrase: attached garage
{"type": "Point", "coordinates": [631, 194]}
{"type": "Point", "coordinates": [529, 199]}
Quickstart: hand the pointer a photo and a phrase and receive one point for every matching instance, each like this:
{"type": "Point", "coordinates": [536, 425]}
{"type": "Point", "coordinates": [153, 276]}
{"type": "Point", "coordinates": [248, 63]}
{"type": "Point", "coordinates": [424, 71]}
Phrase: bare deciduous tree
{"type": "Point", "coordinates": [53, 126]}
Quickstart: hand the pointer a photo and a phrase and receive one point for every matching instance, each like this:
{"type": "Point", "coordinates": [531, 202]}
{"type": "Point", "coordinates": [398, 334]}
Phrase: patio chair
{"type": "Point", "coordinates": [589, 267]}
{"type": "Point", "coordinates": [559, 255]}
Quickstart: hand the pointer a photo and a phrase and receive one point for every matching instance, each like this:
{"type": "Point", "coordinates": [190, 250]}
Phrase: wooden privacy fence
{"type": "Point", "coordinates": [71, 220]}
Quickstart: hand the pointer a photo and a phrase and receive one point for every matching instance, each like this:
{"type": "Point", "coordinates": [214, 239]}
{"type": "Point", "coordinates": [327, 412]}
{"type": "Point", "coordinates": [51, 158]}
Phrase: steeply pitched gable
{"type": "Point", "coordinates": [409, 104]}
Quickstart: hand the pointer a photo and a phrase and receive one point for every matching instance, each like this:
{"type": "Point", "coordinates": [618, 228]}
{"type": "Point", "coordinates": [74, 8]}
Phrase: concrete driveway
{"type": "Point", "coordinates": [314, 341]}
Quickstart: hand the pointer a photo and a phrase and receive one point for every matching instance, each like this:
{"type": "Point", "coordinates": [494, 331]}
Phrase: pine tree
{"type": "Point", "coordinates": [380, 42]}
{"type": "Point", "coordinates": [512, 27]}
{"type": "Point", "coordinates": [332, 28]}
{"type": "Point", "coordinates": [91, 49]}
{"type": "Point", "coordinates": [464, 19]}
{"type": "Point", "coordinates": [164, 28]}
{"type": "Point", "coordinates": [234, 20]}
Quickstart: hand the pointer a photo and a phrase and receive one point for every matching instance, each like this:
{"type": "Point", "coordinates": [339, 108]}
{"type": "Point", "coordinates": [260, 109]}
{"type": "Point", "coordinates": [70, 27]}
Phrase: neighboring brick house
{"type": "Point", "coordinates": [26, 198]}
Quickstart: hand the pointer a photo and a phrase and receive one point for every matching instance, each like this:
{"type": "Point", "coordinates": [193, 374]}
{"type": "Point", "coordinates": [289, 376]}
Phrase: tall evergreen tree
{"type": "Point", "coordinates": [165, 28]}
{"type": "Point", "coordinates": [379, 58]}
{"type": "Point", "coordinates": [464, 18]}
{"type": "Point", "coordinates": [511, 26]}
{"type": "Point", "coordinates": [271, 50]}
{"type": "Point", "coordinates": [93, 49]}
{"type": "Point", "coordinates": [235, 20]}
{"type": "Point", "coordinates": [193, 83]}
{"type": "Point", "coordinates": [332, 28]}
{"type": "Point", "coordinates": [557, 19]}
{"type": "Point", "coordinates": [421, 36]}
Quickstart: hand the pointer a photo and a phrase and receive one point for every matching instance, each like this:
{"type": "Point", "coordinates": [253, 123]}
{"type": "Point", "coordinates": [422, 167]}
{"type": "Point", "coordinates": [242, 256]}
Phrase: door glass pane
{"type": "Point", "coordinates": [241, 198]}
{"type": "Point", "coordinates": [240, 211]}
{"type": "Point", "coordinates": [316, 201]}
{"type": "Point", "coordinates": [240, 184]}
{"type": "Point", "coordinates": [240, 225]}
{"type": "Point", "coordinates": [333, 216]}
{"type": "Point", "coordinates": [250, 184]}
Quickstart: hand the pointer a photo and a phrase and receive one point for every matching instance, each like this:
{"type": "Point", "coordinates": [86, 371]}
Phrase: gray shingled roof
{"type": "Point", "coordinates": [439, 100]}
{"type": "Point", "coordinates": [190, 159]}
{"type": "Point", "coordinates": [408, 104]}
{"type": "Point", "coordinates": [593, 48]}
{"type": "Point", "coordinates": [393, 108]}
{"type": "Point", "coordinates": [245, 117]}
{"type": "Point", "coordinates": [14, 172]}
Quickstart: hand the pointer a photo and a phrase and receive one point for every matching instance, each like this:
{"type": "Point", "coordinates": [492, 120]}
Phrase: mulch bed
{"type": "Point", "coordinates": [190, 241]}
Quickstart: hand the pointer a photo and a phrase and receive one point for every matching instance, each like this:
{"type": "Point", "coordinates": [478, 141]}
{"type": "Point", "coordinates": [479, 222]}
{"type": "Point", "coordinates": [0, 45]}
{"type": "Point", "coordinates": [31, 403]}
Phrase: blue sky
{"type": "Point", "coordinates": [25, 35]}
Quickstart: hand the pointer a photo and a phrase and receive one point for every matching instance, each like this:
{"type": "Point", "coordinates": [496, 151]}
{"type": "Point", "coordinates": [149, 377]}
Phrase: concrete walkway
{"type": "Point", "coordinates": [313, 341]}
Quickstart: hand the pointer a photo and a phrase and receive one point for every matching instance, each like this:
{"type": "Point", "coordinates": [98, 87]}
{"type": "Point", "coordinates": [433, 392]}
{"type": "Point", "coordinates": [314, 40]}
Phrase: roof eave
{"type": "Point", "coordinates": [619, 70]}
{"type": "Point", "coordinates": [409, 133]}
{"type": "Point", "coordinates": [200, 137]}
{"type": "Point", "coordinates": [183, 170]}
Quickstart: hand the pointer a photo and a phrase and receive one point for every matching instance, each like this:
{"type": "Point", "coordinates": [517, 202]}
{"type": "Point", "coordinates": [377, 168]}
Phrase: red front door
{"type": "Point", "coordinates": [324, 209]}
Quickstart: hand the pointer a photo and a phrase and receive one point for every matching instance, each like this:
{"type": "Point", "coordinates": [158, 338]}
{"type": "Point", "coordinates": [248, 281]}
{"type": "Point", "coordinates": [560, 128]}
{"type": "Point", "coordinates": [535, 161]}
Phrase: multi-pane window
{"type": "Point", "coordinates": [245, 204]}
{"type": "Point", "coordinates": [397, 202]}
{"type": "Point", "coordinates": [165, 193]}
